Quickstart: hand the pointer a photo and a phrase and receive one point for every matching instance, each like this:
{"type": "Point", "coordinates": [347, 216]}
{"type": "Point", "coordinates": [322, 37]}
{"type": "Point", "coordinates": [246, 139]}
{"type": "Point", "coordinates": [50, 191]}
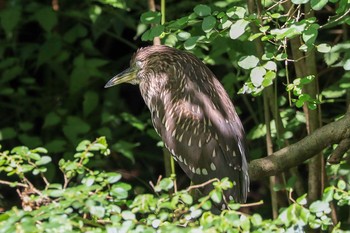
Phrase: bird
{"type": "Point", "coordinates": [193, 114]}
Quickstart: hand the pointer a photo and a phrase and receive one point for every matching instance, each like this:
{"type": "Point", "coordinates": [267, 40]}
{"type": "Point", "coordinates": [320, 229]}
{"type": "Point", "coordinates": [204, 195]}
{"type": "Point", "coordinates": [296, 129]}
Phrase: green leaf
{"type": "Point", "coordinates": [76, 32]}
{"type": "Point", "coordinates": [236, 11]}
{"type": "Point", "coordinates": [120, 190]}
{"type": "Point", "coordinates": [330, 58]}
{"type": "Point", "coordinates": [319, 206]}
{"type": "Point", "coordinates": [188, 199]}
{"type": "Point", "coordinates": [318, 4]}
{"type": "Point", "coordinates": [166, 184]}
{"type": "Point", "coordinates": [88, 181]}
{"type": "Point", "coordinates": [300, 1]}
{"type": "Point", "coordinates": [290, 32]}
{"type": "Point", "coordinates": [132, 120]}
{"type": "Point", "coordinates": [43, 160]}
{"type": "Point", "coordinates": [346, 64]}
{"type": "Point", "coordinates": [51, 119]}
{"type": "Point", "coordinates": [256, 219]}
{"type": "Point", "coordinates": [341, 184]}
{"type": "Point", "coordinates": [328, 194]}
{"type": "Point", "coordinates": [268, 78]}
{"type": "Point", "coordinates": [32, 141]}
{"type": "Point", "coordinates": [74, 127]}
{"type": "Point", "coordinates": [9, 18]}
{"type": "Point", "coordinates": [270, 65]}
{"type": "Point", "coordinates": [310, 34]}
{"type": "Point", "coordinates": [113, 177]}
{"type": "Point", "coordinates": [202, 10]}
{"type": "Point", "coordinates": [216, 196]}
{"type": "Point", "coordinates": [83, 145]}
{"type": "Point", "coordinates": [248, 62]}
{"type": "Point", "coordinates": [7, 133]}
{"type": "Point", "coordinates": [126, 148]}
{"type": "Point", "coordinates": [98, 211]}
{"type": "Point", "coordinates": [151, 17]}
{"type": "Point", "coordinates": [238, 28]}
{"type": "Point", "coordinates": [46, 17]}
{"type": "Point", "coordinates": [156, 31]}
{"type": "Point", "coordinates": [257, 76]}
{"type": "Point", "coordinates": [56, 193]}
{"type": "Point", "coordinates": [182, 36]}
{"type": "Point", "coordinates": [323, 48]}
{"type": "Point", "coordinates": [90, 102]}
{"type": "Point", "coordinates": [56, 145]}
{"type": "Point", "coordinates": [208, 23]}
{"type": "Point", "coordinates": [191, 42]}
{"type": "Point", "coordinates": [128, 215]}
{"type": "Point", "coordinates": [48, 50]}
{"type": "Point", "coordinates": [34, 156]}
{"type": "Point", "coordinates": [25, 126]}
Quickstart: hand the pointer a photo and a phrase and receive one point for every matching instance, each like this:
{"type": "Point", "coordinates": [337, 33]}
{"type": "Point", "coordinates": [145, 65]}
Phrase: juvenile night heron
{"type": "Point", "coordinates": [193, 114]}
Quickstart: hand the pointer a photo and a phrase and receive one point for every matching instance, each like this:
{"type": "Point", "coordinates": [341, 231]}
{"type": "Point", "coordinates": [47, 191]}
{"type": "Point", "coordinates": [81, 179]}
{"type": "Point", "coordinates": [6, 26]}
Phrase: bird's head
{"type": "Point", "coordinates": [144, 62]}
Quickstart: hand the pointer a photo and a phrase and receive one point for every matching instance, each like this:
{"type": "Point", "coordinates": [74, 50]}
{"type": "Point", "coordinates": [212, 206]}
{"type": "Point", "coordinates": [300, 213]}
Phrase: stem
{"type": "Point", "coordinates": [162, 11]}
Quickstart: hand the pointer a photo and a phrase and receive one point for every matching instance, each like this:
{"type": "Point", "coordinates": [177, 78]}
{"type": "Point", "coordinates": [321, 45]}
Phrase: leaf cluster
{"type": "Point", "coordinates": [99, 201]}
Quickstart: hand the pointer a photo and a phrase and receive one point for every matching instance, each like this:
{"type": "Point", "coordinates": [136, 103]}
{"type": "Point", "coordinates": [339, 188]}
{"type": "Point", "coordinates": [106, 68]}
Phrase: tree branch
{"type": "Point", "coordinates": [298, 152]}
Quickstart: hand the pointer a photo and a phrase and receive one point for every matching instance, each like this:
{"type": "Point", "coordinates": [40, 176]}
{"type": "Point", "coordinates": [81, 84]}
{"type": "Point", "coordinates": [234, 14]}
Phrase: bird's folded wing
{"type": "Point", "coordinates": [203, 142]}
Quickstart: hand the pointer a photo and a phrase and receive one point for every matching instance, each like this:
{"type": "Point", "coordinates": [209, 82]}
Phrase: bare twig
{"type": "Point", "coordinates": [201, 185]}
{"type": "Point", "coordinates": [13, 184]}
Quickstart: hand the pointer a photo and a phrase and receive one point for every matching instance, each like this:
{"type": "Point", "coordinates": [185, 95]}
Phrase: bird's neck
{"type": "Point", "coordinates": [152, 91]}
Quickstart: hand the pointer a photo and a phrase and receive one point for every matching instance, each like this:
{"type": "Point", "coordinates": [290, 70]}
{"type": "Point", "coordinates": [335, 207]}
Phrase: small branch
{"type": "Point", "coordinates": [201, 185]}
{"type": "Point", "coordinates": [13, 184]}
{"type": "Point", "coordinates": [299, 152]}
{"type": "Point", "coordinates": [261, 202]}
{"type": "Point", "coordinates": [340, 151]}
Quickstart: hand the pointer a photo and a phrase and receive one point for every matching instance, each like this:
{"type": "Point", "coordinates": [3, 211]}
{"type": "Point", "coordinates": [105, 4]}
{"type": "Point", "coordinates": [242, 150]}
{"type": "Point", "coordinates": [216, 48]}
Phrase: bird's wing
{"type": "Point", "coordinates": [204, 137]}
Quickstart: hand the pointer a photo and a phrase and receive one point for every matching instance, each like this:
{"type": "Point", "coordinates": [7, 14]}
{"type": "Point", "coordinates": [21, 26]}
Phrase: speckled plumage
{"type": "Point", "coordinates": [194, 116]}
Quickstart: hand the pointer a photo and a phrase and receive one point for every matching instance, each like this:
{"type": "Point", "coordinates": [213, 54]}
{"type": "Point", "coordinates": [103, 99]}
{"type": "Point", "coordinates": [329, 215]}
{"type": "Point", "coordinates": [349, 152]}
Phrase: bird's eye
{"type": "Point", "coordinates": [138, 64]}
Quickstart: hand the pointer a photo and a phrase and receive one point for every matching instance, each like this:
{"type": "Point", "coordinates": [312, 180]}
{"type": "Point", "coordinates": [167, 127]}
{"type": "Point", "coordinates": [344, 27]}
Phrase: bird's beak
{"type": "Point", "coordinates": [126, 76]}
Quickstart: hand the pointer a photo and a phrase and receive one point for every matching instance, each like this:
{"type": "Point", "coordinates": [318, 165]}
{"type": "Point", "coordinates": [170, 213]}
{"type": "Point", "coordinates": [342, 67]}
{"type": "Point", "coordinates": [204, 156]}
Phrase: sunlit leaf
{"type": "Point", "coordinates": [238, 28]}
{"type": "Point", "coordinates": [257, 76]}
{"type": "Point", "coordinates": [151, 17]}
{"type": "Point", "coordinates": [318, 4]}
{"type": "Point", "coordinates": [202, 10]}
{"type": "Point", "coordinates": [248, 62]}
{"type": "Point", "coordinates": [208, 23]}
{"type": "Point", "coordinates": [323, 48]}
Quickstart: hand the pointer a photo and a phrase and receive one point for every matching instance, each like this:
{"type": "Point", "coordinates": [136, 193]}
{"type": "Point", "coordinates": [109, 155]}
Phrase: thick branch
{"type": "Point", "coordinates": [298, 152]}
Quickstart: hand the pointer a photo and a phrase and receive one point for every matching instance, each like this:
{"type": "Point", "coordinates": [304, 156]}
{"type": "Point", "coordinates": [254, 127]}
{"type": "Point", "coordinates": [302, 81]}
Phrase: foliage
{"type": "Point", "coordinates": [55, 60]}
{"type": "Point", "coordinates": [98, 201]}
